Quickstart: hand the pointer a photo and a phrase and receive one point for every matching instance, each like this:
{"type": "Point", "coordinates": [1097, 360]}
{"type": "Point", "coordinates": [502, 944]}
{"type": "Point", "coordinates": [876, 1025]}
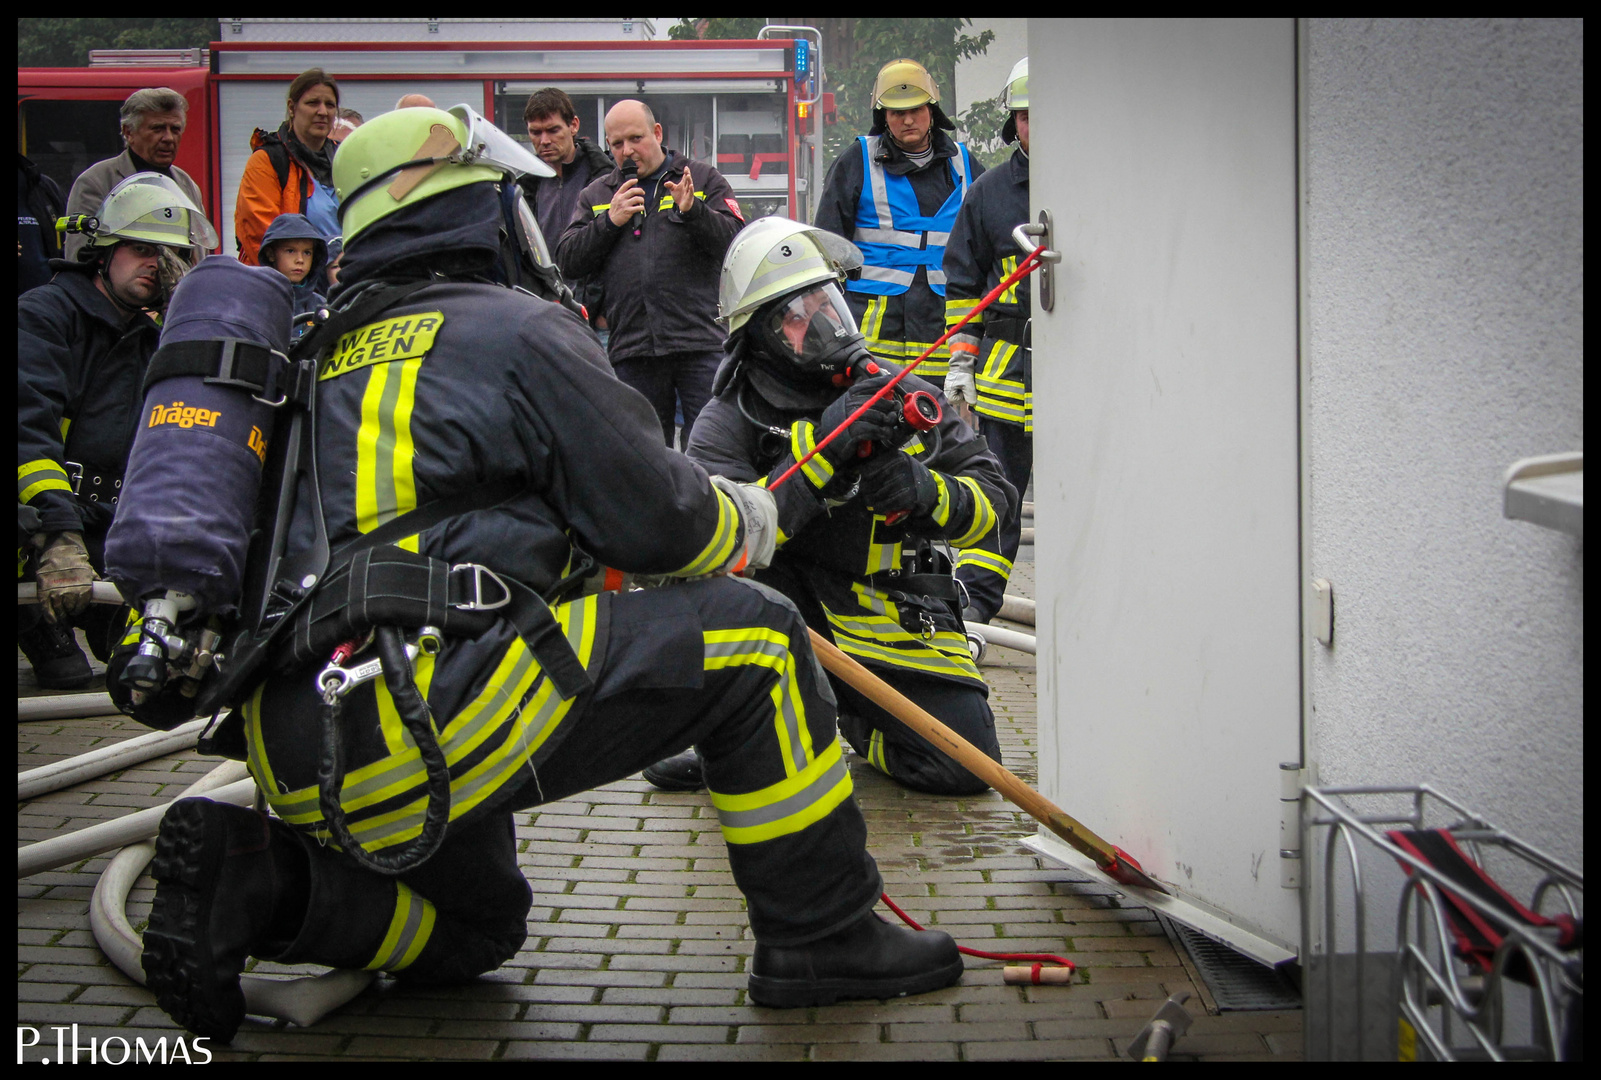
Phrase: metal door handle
{"type": "Point", "coordinates": [1048, 257]}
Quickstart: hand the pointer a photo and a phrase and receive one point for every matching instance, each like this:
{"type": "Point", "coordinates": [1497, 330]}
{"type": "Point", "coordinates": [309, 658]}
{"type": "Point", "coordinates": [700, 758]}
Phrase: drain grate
{"type": "Point", "coordinates": [1237, 983]}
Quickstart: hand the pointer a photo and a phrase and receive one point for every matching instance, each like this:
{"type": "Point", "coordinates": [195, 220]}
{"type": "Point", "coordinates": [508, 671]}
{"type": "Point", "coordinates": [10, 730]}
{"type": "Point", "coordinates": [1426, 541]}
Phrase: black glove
{"type": "Point", "coordinates": [895, 482]}
{"type": "Point", "coordinates": [875, 425]}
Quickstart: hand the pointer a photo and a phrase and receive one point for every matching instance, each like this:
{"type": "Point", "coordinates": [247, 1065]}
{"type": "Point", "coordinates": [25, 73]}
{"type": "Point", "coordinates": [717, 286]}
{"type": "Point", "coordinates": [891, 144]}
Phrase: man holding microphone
{"type": "Point", "coordinates": [655, 239]}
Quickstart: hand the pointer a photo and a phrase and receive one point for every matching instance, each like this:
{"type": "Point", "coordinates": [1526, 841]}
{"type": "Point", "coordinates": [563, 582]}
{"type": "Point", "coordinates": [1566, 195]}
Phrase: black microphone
{"type": "Point", "coordinates": [630, 171]}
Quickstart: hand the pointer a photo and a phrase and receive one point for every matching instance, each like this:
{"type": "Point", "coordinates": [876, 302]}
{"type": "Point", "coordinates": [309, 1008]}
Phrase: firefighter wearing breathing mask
{"type": "Point", "coordinates": [866, 526]}
{"type": "Point", "coordinates": [992, 368]}
{"type": "Point", "coordinates": [894, 193]}
{"type": "Point", "coordinates": [84, 341]}
{"type": "Point", "coordinates": [480, 430]}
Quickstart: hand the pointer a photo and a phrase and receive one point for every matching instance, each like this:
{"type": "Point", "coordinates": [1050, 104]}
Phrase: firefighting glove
{"type": "Point", "coordinates": [897, 483]}
{"type": "Point", "coordinates": [758, 512]}
{"type": "Point", "coordinates": [959, 383]}
{"type": "Point", "coordinates": [64, 575]}
{"type": "Point", "coordinates": [875, 425]}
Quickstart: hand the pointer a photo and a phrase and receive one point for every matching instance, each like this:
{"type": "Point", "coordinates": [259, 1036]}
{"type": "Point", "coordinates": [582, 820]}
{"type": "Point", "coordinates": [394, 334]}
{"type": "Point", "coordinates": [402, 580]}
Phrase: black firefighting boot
{"type": "Point", "coordinates": [58, 663]}
{"type": "Point", "coordinates": [229, 882]}
{"type": "Point", "coordinates": [681, 772]}
{"type": "Point", "coordinates": [868, 959]}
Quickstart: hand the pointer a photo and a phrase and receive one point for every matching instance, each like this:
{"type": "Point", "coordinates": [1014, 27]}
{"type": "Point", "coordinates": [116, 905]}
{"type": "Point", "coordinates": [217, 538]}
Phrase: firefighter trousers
{"type": "Point", "coordinates": [723, 665]}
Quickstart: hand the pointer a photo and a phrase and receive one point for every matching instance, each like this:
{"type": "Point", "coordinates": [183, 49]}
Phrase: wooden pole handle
{"type": "Point", "coordinates": [965, 753]}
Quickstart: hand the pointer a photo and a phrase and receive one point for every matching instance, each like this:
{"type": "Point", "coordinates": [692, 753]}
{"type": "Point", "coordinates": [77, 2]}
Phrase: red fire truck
{"type": "Point", "coordinates": [740, 105]}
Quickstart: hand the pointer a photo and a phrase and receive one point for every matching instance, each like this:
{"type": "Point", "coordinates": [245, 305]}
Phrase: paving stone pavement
{"type": "Point", "coordinates": [638, 945]}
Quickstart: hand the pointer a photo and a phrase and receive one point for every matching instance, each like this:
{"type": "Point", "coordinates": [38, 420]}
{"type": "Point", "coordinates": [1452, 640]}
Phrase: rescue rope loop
{"type": "Point", "coordinates": [1026, 267]}
{"type": "Point", "coordinates": [417, 718]}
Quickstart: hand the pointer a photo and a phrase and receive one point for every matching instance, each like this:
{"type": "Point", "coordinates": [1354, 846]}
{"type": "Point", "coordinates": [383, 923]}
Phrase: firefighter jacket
{"type": "Point", "coordinates": [855, 562]}
{"type": "Point", "coordinates": [896, 230]}
{"type": "Point", "coordinates": [659, 277]}
{"type": "Point", "coordinates": [462, 386]}
{"type": "Point", "coordinates": [80, 369]}
{"type": "Point", "coordinates": [981, 253]}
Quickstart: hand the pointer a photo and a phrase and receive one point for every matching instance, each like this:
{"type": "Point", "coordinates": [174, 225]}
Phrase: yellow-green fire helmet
{"type": "Point", "coordinates": [774, 256]}
{"type": "Point", "coordinates": [402, 157]}
{"type": "Point", "coordinates": [1017, 86]}
{"type": "Point", "coordinates": [150, 208]}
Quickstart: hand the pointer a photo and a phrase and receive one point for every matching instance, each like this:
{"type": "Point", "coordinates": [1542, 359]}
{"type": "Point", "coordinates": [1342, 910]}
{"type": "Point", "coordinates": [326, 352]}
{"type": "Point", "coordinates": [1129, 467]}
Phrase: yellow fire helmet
{"type": "Point", "coordinates": [904, 84]}
{"type": "Point", "coordinates": [772, 257]}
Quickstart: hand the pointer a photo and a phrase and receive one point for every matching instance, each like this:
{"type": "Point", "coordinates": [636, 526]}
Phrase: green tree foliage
{"type": "Point", "coordinates": [854, 50]}
{"type": "Point", "coordinates": [66, 42]}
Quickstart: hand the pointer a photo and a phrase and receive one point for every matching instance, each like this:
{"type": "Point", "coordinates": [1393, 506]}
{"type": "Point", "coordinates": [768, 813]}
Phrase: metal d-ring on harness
{"type": "Point", "coordinates": [393, 661]}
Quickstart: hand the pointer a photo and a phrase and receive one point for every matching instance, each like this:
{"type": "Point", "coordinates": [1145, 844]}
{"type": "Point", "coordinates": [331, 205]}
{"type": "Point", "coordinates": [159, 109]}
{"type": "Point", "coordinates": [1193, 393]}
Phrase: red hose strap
{"type": "Point", "coordinates": [1039, 959]}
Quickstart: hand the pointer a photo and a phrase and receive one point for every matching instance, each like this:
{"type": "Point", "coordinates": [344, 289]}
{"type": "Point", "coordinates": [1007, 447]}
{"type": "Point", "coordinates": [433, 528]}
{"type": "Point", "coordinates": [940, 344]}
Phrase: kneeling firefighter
{"type": "Point", "coordinates": [84, 340]}
{"type": "Point", "coordinates": [434, 664]}
{"type": "Point", "coordinates": [863, 524]}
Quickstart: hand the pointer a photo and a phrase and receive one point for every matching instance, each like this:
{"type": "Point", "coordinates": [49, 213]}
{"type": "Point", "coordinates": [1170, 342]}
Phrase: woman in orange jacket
{"type": "Point", "coordinates": [291, 171]}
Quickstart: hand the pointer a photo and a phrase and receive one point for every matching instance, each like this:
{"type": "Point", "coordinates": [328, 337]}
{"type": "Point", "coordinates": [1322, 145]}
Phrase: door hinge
{"type": "Point", "coordinates": [1292, 777]}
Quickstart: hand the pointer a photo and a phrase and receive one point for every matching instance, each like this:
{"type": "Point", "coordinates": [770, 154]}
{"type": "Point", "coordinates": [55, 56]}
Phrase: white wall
{"type": "Point", "coordinates": [1445, 261]}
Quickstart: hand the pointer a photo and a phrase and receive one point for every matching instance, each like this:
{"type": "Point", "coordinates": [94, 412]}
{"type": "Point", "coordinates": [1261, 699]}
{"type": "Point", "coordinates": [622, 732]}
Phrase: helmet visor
{"type": "Point", "coordinates": [813, 325]}
{"type": "Point", "coordinates": [488, 145]}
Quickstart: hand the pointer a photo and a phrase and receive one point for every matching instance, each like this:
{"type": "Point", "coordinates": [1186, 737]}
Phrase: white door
{"type": "Point", "coordinates": [1167, 449]}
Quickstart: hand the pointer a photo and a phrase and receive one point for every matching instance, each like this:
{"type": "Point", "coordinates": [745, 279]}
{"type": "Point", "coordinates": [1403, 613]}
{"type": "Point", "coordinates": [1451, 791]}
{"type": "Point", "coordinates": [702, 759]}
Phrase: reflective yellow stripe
{"type": "Point", "coordinates": [409, 930]}
{"type": "Point", "coordinates": [875, 752]}
{"type": "Point", "coordinates": [802, 441]}
{"type": "Point", "coordinates": [385, 484]}
{"type": "Point", "coordinates": [882, 556]}
{"type": "Point", "coordinates": [883, 639]}
{"type": "Point", "coordinates": [1008, 266]}
{"type": "Point", "coordinates": [40, 476]}
{"type": "Point", "coordinates": [601, 208]}
{"type": "Point", "coordinates": [942, 508]}
{"type": "Point", "coordinates": [517, 706]}
{"type": "Point", "coordinates": [985, 560]}
{"type": "Point", "coordinates": [66, 426]}
{"type": "Point", "coordinates": [957, 310]}
{"type": "Point", "coordinates": [788, 806]}
{"type": "Point", "coordinates": [770, 649]}
{"type": "Point", "coordinates": [720, 548]}
{"type": "Point", "coordinates": [984, 516]}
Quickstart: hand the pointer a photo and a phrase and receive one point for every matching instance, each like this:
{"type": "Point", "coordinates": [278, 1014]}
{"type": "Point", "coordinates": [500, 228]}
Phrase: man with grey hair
{"type": "Point", "coordinates": [152, 126]}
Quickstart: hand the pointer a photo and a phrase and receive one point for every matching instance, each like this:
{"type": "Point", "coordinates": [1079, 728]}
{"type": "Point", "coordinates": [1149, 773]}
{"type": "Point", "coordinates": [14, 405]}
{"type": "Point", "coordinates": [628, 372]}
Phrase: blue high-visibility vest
{"type": "Point", "coordinates": [891, 230]}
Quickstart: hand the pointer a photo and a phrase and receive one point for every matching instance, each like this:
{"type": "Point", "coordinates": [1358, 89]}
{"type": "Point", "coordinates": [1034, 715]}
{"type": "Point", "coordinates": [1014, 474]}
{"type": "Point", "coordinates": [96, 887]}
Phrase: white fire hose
{"type": "Point", "coordinates": [302, 1001]}
{"type": "Point", "coordinates": [106, 759]}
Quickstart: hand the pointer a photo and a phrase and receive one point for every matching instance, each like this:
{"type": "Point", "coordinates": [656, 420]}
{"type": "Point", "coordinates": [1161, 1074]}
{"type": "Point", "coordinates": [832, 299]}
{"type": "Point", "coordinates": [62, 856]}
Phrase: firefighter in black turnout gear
{"type": "Point", "coordinates": [84, 340]}
{"type": "Point", "coordinates": [864, 526]}
{"type": "Point", "coordinates": [992, 368]}
{"type": "Point", "coordinates": [479, 430]}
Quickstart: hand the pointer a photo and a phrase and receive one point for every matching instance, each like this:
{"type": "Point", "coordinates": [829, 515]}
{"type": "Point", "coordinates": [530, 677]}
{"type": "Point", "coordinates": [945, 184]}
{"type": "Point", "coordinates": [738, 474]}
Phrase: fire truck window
{"type": "Point", "coordinates": [66, 137]}
{"type": "Point", "coordinates": [753, 152]}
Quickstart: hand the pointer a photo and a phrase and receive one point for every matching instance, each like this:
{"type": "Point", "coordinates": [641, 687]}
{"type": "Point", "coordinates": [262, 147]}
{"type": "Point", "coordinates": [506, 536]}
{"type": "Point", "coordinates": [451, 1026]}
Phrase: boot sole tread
{"type": "Point", "coordinates": [175, 950]}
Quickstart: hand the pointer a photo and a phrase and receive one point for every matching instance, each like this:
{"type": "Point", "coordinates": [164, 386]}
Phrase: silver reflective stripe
{"type": "Point", "coordinates": [875, 174]}
{"type": "Point", "coordinates": [959, 163]}
{"type": "Point", "coordinates": [936, 277]}
{"type": "Point", "coordinates": [938, 239]}
{"type": "Point", "coordinates": [890, 236]}
{"type": "Point", "coordinates": [806, 796]}
{"type": "Point", "coordinates": [884, 273]}
{"type": "Point", "coordinates": [408, 934]}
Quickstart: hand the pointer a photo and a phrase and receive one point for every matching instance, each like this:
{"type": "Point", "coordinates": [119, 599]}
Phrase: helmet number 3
{"type": "Point", "coordinates": [788, 254]}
